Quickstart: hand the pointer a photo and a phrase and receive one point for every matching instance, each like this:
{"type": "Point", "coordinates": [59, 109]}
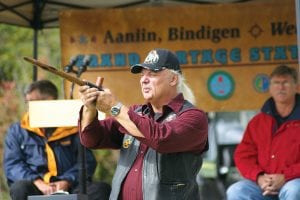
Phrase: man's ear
{"type": "Point", "coordinates": [174, 80]}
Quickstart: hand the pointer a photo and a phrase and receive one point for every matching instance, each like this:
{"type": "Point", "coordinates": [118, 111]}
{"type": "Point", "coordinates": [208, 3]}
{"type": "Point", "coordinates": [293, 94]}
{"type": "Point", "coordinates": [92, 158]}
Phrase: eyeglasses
{"type": "Point", "coordinates": [281, 83]}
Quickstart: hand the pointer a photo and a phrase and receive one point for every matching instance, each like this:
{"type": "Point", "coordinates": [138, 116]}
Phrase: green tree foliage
{"type": "Point", "coordinates": [16, 43]}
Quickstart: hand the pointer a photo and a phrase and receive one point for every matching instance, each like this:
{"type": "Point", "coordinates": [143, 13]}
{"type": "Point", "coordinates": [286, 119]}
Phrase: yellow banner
{"type": "Point", "coordinates": [226, 51]}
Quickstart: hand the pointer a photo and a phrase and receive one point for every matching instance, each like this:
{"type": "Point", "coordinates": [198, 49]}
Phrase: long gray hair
{"type": "Point", "coordinates": [182, 87]}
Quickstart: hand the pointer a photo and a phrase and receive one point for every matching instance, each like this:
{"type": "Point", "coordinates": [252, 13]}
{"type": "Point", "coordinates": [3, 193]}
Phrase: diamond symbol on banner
{"type": "Point", "coordinates": [255, 31]}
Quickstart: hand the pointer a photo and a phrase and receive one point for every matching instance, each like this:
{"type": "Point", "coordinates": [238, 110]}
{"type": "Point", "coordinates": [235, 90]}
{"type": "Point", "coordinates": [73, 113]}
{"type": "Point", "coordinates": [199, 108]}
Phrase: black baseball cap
{"type": "Point", "coordinates": [158, 59]}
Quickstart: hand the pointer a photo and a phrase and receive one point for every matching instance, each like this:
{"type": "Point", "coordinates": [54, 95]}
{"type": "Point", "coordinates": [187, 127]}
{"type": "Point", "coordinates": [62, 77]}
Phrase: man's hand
{"type": "Point", "coordinates": [277, 181]}
{"type": "Point", "coordinates": [50, 188]}
{"type": "Point", "coordinates": [88, 97]}
{"type": "Point", "coordinates": [105, 101]}
{"type": "Point", "coordinates": [44, 187]}
{"type": "Point", "coordinates": [94, 100]}
{"type": "Point", "coordinates": [61, 185]}
{"type": "Point", "coordinates": [270, 183]}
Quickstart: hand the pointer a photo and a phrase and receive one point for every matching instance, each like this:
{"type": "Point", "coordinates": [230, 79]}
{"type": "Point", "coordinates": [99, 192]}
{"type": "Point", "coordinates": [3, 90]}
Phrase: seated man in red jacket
{"type": "Point", "coordinates": [40, 161]}
{"type": "Point", "coordinates": [268, 156]}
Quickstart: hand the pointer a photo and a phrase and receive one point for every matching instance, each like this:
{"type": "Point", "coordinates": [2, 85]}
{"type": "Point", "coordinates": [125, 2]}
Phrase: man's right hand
{"type": "Point", "coordinates": [88, 97]}
{"type": "Point", "coordinates": [44, 187]}
{"type": "Point", "coordinates": [268, 184]}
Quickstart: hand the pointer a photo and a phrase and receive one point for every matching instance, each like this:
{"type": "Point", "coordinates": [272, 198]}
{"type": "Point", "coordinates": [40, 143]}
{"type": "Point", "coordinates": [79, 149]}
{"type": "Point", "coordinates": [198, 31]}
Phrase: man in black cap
{"type": "Point", "coordinates": [161, 142]}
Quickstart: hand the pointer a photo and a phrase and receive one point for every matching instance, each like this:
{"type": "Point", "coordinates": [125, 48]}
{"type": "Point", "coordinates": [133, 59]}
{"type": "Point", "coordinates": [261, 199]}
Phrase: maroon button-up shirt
{"type": "Point", "coordinates": [185, 133]}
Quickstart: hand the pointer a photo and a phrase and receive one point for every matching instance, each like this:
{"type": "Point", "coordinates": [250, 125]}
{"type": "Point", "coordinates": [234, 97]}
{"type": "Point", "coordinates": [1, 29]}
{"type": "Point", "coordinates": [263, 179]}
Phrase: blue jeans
{"type": "Point", "coordinates": [249, 190]}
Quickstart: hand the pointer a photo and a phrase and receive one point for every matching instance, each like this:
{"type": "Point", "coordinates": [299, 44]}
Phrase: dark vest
{"type": "Point", "coordinates": [165, 176]}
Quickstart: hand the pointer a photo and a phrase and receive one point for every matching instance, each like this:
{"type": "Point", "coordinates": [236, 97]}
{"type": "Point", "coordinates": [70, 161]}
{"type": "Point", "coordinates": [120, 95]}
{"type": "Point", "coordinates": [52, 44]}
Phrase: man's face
{"type": "Point", "coordinates": [157, 86]}
{"type": "Point", "coordinates": [36, 95]}
{"type": "Point", "coordinates": [283, 89]}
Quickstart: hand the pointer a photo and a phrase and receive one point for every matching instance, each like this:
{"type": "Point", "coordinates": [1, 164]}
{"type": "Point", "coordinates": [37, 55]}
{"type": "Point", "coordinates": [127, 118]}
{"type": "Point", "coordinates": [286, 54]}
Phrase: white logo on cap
{"type": "Point", "coordinates": [152, 57]}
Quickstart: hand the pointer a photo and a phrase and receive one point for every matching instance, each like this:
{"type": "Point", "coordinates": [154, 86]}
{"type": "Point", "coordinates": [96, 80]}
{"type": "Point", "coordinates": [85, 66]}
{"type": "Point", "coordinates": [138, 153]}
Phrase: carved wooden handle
{"type": "Point", "coordinates": [62, 73]}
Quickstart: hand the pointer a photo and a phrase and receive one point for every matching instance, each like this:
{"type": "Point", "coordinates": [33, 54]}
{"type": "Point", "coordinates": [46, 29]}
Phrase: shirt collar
{"type": "Point", "coordinates": [269, 108]}
{"type": "Point", "coordinates": [174, 105]}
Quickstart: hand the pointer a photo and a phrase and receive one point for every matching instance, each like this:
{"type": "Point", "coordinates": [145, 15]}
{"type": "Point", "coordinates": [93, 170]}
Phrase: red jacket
{"type": "Point", "coordinates": [268, 149]}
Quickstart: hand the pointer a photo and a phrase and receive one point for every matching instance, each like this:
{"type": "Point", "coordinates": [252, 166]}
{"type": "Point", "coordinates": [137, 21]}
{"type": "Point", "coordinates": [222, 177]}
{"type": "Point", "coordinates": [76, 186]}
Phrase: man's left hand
{"type": "Point", "coordinates": [61, 185]}
{"type": "Point", "coordinates": [277, 181]}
